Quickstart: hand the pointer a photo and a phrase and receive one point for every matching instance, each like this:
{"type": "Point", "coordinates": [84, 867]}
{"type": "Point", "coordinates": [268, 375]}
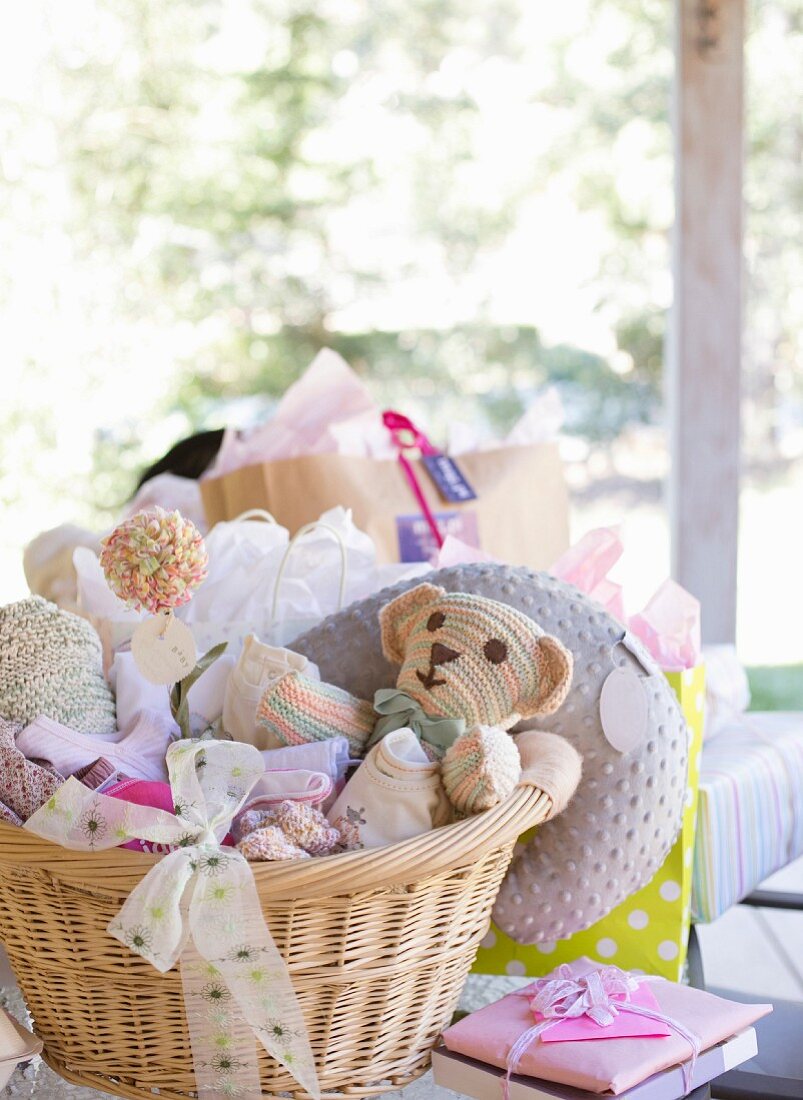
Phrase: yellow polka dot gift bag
{"type": "Point", "coordinates": [649, 931]}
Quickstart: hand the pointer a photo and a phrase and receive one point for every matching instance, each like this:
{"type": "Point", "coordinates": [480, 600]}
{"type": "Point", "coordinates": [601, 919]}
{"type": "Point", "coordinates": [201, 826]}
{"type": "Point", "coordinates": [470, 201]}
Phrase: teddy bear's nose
{"type": "Point", "coordinates": [442, 655]}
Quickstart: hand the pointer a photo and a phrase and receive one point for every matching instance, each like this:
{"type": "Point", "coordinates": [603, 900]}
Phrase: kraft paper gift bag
{"type": "Point", "coordinates": [520, 514]}
{"type": "Point", "coordinates": [649, 931]}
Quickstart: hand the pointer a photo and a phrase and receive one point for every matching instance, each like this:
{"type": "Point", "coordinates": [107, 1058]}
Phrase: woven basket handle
{"type": "Point", "coordinates": [551, 764]}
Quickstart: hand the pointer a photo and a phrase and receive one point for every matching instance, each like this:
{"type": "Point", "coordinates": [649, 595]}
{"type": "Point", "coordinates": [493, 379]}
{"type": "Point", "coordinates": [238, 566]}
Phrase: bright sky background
{"type": "Point", "coordinates": [62, 313]}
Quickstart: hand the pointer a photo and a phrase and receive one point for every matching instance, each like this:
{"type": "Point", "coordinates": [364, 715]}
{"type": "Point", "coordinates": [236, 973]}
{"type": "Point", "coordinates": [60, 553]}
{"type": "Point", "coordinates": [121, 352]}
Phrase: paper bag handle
{"type": "Point", "coordinates": [255, 513]}
{"type": "Point", "coordinates": [305, 530]}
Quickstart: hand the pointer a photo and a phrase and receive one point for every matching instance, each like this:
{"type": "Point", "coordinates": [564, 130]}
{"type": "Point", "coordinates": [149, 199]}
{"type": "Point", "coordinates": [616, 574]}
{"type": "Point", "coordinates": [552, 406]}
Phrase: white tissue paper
{"type": "Point", "coordinates": [727, 689]}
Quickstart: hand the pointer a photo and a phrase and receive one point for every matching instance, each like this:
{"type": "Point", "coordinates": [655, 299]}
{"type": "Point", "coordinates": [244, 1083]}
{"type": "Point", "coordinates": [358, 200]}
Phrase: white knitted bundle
{"type": "Point", "coordinates": [51, 663]}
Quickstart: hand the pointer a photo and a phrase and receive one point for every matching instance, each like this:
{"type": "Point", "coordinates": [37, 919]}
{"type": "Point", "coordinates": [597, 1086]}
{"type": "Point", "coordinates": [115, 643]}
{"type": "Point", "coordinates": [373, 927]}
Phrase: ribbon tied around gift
{"type": "Point", "coordinates": [199, 906]}
{"type": "Point", "coordinates": [601, 995]}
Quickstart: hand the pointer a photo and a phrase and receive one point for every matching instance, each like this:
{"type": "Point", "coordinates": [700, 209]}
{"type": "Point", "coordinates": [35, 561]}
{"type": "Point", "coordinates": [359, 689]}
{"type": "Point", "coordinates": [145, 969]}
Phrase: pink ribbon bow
{"type": "Point", "coordinates": [407, 437]}
{"type": "Point", "coordinates": [601, 995]}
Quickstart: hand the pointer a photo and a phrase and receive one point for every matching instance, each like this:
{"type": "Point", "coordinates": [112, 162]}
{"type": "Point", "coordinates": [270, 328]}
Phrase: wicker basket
{"type": "Point", "coordinates": [378, 944]}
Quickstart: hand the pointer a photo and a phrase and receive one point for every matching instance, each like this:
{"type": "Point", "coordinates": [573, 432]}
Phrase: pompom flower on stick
{"type": "Point", "coordinates": [154, 561]}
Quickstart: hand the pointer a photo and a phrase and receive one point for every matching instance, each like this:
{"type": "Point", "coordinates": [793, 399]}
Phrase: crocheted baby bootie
{"type": "Point", "coordinates": [270, 843]}
{"type": "Point", "coordinates": [295, 711]}
{"type": "Point", "coordinates": [480, 769]}
{"type": "Point", "coordinates": [306, 826]}
{"type": "Point", "coordinates": [51, 664]}
{"type": "Point", "coordinates": [302, 825]}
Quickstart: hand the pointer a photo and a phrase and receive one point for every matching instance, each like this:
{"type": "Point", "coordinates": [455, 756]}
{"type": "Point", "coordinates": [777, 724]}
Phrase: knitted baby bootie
{"type": "Point", "coordinates": [480, 769]}
{"type": "Point", "coordinates": [295, 711]}
{"type": "Point", "coordinates": [270, 843]}
{"type": "Point", "coordinates": [51, 664]}
{"type": "Point", "coordinates": [301, 824]}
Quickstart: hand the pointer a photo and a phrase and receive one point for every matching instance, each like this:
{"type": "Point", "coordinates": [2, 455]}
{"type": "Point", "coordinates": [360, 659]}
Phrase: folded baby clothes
{"type": "Point", "coordinates": [98, 773]}
{"type": "Point", "coordinates": [257, 667]}
{"type": "Point", "coordinates": [142, 792]}
{"type": "Point", "coordinates": [288, 830]}
{"type": "Point", "coordinates": [296, 784]}
{"type": "Point", "coordinates": [24, 786]}
{"type": "Point", "coordinates": [141, 754]}
{"type": "Point", "coordinates": [9, 816]}
{"type": "Point", "coordinates": [330, 758]}
{"type": "Point", "coordinates": [395, 794]}
{"type": "Point", "coordinates": [51, 663]}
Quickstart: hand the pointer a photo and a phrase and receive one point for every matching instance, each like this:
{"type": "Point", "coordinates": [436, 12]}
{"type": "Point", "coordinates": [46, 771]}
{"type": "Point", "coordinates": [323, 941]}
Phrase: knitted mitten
{"type": "Point", "coordinates": [480, 769]}
{"type": "Point", "coordinates": [51, 664]}
{"type": "Point", "coordinates": [270, 843]}
{"type": "Point", "coordinates": [295, 710]}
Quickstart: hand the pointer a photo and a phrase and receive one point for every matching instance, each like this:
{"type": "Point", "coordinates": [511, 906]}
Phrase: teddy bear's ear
{"type": "Point", "coordinates": [396, 618]}
{"type": "Point", "coordinates": [555, 664]}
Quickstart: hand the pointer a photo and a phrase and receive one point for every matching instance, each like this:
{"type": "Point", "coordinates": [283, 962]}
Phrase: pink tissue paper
{"type": "Point", "coordinates": [669, 626]}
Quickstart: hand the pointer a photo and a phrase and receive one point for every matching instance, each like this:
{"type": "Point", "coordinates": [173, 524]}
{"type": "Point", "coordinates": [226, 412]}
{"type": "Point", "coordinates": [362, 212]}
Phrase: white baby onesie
{"type": "Point", "coordinates": [395, 794]}
{"type": "Point", "coordinates": [134, 694]}
{"type": "Point", "coordinates": [257, 666]}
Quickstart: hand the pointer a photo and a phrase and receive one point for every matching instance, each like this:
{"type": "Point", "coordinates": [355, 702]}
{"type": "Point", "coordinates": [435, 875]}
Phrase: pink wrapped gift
{"type": "Point", "coordinates": [632, 1027]}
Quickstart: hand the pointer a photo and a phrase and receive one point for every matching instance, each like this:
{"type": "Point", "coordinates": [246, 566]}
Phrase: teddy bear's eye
{"type": "Point", "coordinates": [495, 650]}
{"type": "Point", "coordinates": [436, 620]}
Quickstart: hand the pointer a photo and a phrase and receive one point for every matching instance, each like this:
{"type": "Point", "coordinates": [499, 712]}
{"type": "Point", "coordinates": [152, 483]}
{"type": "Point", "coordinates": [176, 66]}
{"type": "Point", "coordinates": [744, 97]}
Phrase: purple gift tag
{"type": "Point", "coordinates": [416, 541]}
{"type": "Point", "coordinates": [448, 477]}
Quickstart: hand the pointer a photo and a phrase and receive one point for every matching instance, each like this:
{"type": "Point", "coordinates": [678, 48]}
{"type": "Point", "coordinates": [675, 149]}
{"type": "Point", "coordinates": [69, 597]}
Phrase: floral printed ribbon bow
{"type": "Point", "coordinates": [231, 969]}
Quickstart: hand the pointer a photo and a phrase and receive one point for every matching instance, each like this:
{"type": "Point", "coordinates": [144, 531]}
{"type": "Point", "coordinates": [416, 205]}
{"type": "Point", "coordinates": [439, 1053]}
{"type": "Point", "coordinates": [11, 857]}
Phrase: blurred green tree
{"type": "Point", "coordinates": [241, 182]}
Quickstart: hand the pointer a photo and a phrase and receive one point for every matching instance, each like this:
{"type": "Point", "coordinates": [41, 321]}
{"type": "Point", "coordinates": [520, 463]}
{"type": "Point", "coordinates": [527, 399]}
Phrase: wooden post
{"type": "Point", "coordinates": [704, 348]}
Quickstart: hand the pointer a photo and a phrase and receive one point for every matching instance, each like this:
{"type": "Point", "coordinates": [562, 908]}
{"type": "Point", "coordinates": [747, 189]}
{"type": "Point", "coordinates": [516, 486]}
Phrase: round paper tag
{"type": "Point", "coordinates": [164, 654]}
{"type": "Point", "coordinates": [623, 709]}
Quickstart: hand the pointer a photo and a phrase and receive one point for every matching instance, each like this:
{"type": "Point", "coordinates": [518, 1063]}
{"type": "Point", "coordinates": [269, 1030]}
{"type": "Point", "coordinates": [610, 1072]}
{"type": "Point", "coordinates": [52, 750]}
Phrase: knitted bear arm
{"type": "Point", "coordinates": [296, 711]}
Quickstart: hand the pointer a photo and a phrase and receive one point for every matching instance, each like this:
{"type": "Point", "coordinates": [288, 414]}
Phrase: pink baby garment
{"type": "Point", "coordinates": [157, 795]}
{"type": "Point", "coordinates": [140, 754]}
{"type": "Point", "coordinates": [395, 794]}
{"type": "Point", "coordinates": [144, 793]}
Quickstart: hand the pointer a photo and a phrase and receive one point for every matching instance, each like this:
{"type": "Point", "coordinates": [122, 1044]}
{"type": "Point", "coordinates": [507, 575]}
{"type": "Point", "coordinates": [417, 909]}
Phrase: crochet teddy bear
{"type": "Point", "coordinates": [471, 668]}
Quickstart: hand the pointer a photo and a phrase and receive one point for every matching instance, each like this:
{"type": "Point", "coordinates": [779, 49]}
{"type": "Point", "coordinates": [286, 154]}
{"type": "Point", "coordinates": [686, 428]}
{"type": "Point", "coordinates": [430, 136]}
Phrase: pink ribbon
{"type": "Point", "coordinates": [600, 995]}
{"type": "Point", "coordinates": [407, 437]}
